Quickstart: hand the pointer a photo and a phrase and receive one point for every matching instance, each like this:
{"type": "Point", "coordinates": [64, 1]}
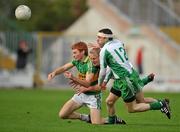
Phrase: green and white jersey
{"type": "Point", "coordinates": [114, 55]}
{"type": "Point", "coordinates": [109, 75]}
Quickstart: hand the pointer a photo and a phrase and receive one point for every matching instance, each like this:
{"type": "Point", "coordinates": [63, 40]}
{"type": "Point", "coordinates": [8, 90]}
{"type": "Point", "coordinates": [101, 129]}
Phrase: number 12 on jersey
{"type": "Point", "coordinates": [122, 54]}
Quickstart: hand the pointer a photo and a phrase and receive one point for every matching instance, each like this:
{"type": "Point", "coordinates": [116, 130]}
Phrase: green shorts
{"type": "Point", "coordinates": [129, 86]}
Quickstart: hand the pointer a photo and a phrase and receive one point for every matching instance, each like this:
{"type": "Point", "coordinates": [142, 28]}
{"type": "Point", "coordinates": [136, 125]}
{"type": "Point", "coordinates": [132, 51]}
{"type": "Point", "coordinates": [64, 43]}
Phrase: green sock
{"type": "Point", "coordinates": [145, 80]}
{"type": "Point", "coordinates": [111, 119]}
{"type": "Point", "coordinates": [156, 105]}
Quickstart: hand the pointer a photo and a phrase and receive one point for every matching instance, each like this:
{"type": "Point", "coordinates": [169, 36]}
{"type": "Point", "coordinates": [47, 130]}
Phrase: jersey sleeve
{"type": "Point", "coordinates": [109, 74]}
{"type": "Point", "coordinates": [103, 66]}
{"type": "Point", "coordinates": [74, 62]}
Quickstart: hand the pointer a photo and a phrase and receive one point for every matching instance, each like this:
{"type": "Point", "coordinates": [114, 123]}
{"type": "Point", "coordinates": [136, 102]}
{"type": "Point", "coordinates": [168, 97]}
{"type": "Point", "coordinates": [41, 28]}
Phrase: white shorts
{"type": "Point", "coordinates": [91, 101]}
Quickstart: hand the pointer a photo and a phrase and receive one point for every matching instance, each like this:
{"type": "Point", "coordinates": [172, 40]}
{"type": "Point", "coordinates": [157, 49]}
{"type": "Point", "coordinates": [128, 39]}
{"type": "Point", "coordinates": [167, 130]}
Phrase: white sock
{"type": "Point", "coordinates": [84, 117]}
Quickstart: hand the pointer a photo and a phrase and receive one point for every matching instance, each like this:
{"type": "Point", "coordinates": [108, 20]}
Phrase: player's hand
{"type": "Point", "coordinates": [68, 75]}
{"type": "Point", "coordinates": [103, 86]}
{"type": "Point", "coordinates": [72, 83]}
{"type": "Point", "coordinates": [51, 76]}
{"type": "Point", "coordinates": [80, 89]}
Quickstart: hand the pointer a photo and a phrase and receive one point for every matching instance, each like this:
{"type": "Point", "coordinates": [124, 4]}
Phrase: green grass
{"type": "Point", "coordinates": [37, 111]}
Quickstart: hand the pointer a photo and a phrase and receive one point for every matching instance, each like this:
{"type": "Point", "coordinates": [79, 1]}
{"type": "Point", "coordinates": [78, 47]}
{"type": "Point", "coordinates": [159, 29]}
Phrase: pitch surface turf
{"type": "Point", "coordinates": [37, 111]}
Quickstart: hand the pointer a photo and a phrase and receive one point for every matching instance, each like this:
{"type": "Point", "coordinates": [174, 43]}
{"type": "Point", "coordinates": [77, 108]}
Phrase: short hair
{"type": "Point", "coordinates": [107, 31]}
{"type": "Point", "coordinates": [81, 46]}
{"type": "Point", "coordinates": [95, 51]}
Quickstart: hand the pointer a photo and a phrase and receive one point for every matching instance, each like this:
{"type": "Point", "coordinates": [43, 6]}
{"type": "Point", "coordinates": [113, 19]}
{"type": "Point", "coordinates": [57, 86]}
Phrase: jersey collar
{"type": "Point", "coordinates": [85, 59]}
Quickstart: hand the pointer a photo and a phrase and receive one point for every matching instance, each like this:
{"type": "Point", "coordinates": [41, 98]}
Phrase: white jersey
{"type": "Point", "coordinates": [114, 55]}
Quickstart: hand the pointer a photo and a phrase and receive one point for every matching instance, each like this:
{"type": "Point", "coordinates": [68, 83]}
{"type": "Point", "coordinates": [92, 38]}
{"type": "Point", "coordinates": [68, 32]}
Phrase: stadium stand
{"type": "Point", "coordinates": [162, 13]}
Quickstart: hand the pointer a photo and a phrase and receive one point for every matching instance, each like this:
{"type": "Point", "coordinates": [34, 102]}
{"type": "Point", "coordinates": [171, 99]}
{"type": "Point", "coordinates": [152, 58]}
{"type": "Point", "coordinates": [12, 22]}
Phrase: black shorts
{"type": "Point", "coordinates": [115, 92]}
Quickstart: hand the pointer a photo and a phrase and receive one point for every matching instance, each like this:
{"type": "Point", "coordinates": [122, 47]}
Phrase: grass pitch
{"type": "Point", "coordinates": [37, 111]}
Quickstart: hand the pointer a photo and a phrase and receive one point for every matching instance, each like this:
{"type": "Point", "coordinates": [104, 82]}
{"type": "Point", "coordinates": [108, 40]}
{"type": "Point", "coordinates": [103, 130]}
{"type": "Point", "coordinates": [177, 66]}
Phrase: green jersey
{"type": "Point", "coordinates": [95, 70]}
{"type": "Point", "coordinates": [82, 67]}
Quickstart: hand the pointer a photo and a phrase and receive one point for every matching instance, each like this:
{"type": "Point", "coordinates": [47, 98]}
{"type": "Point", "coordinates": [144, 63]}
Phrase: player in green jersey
{"type": "Point", "coordinates": [126, 78]}
{"type": "Point", "coordinates": [91, 99]}
{"type": "Point", "coordinates": [80, 55]}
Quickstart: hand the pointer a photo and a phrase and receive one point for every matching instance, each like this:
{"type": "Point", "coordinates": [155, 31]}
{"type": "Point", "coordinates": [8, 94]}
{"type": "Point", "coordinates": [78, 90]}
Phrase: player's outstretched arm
{"type": "Point", "coordinates": [60, 70]}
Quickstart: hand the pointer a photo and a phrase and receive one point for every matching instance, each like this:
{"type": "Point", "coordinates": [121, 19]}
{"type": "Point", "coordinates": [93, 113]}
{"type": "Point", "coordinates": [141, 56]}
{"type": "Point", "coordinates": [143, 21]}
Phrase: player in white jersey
{"type": "Point", "coordinates": [127, 80]}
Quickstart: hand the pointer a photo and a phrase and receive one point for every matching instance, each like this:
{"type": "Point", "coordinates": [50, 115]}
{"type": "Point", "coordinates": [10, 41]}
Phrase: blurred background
{"type": "Point", "coordinates": [150, 31]}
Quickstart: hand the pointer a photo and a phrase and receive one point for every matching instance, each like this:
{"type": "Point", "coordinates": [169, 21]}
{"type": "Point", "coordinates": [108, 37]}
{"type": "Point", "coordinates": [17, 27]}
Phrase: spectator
{"type": "Point", "coordinates": [139, 60]}
{"type": "Point", "coordinates": [22, 55]}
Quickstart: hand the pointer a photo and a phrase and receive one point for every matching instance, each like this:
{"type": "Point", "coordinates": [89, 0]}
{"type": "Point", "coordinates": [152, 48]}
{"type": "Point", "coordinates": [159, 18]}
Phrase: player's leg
{"type": "Point", "coordinates": [129, 88]}
{"type": "Point", "coordinates": [110, 101]}
{"type": "Point", "coordinates": [140, 95]}
{"type": "Point", "coordinates": [141, 99]}
{"type": "Point", "coordinates": [138, 84]}
{"type": "Point", "coordinates": [93, 102]}
{"type": "Point", "coordinates": [113, 96]}
{"type": "Point", "coordinates": [133, 106]}
{"type": "Point", "coordinates": [141, 107]}
{"type": "Point", "coordinates": [67, 111]}
{"type": "Point", "coordinates": [144, 80]}
{"type": "Point", "coordinates": [96, 116]}
{"type": "Point", "coordinates": [148, 79]}
{"type": "Point", "coordinates": [110, 104]}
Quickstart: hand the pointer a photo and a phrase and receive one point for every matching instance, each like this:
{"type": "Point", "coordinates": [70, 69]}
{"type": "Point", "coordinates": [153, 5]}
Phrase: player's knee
{"type": "Point", "coordinates": [131, 110]}
{"type": "Point", "coordinates": [109, 102]}
{"type": "Point", "coordinates": [62, 115]}
{"type": "Point", "coordinates": [140, 101]}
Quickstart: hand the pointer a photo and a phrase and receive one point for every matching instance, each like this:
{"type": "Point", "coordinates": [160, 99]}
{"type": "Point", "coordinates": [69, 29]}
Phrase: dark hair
{"type": "Point", "coordinates": [107, 31]}
{"type": "Point", "coordinates": [80, 46]}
